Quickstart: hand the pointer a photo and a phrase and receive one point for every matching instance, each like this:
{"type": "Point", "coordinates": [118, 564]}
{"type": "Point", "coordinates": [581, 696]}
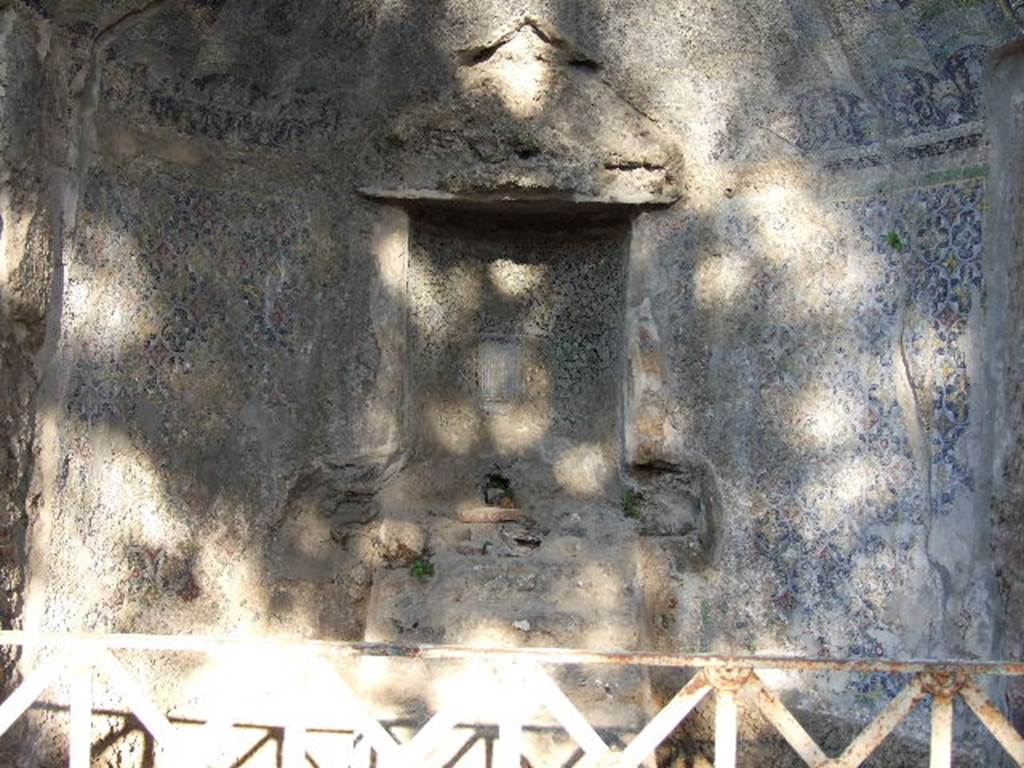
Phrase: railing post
{"type": "Point", "coordinates": [80, 710]}
{"type": "Point", "coordinates": [726, 681]}
{"type": "Point", "coordinates": [526, 687]}
{"type": "Point", "coordinates": [361, 752]}
{"type": "Point", "coordinates": [509, 750]}
{"type": "Point", "coordinates": [942, 732]}
{"type": "Point", "coordinates": [725, 728]}
{"type": "Point", "coordinates": [943, 687]}
{"type": "Point", "coordinates": [294, 752]}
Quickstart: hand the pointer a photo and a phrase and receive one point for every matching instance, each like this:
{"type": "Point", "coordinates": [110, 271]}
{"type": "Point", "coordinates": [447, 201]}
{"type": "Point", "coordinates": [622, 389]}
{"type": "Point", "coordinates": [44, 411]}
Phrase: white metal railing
{"type": "Point", "coordinates": [76, 660]}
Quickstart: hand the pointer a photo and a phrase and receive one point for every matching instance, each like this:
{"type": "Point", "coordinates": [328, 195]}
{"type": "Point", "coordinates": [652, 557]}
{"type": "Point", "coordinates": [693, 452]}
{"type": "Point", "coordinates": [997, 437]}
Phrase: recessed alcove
{"type": "Point", "coordinates": [515, 343]}
{"type": "Point", "coordinates": [513, 352]}
{"type": "Point", "coordinates": [521, 372]}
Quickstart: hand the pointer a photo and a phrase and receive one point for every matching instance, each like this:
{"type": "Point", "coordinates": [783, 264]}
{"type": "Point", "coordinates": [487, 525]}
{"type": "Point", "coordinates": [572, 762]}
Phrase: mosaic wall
{"type": "Point", "coordinates": [846, 369]}
{"type": "Point", "coordinates": [205, 354]}
{"type": "Point", "coordinates": [914, 83]}
{"type": "Point", "coordinates": [199, 284]}
{"type": "Point", "coordinates": [828, 372]}
{"type": "Point", "coordinates": [944, 239]}
{"type": "Point", "coordinates": [188, 321]}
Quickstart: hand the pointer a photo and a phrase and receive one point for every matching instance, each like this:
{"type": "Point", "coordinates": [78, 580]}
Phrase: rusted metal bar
{"type": "Point", "coordinates": [352, 709]}
{"type": "Point", "coordinates": [789, 727]}
{"type": "Point", "coordinates": [869, 739]}
{"type": "Point", "coordinates": [418, 749]}
{"type": "Point", "coordinates": [149, 715]}
{"type": "Point", "coordinates": [994, 720]}
{"type": "Point", "coordinates": [555, 656]}
{"type": "Point", "coordinates": [552, 697]}
{"type": "Point", "coordinates": [663, 723]}
{"type": "Point", "coordinates": [942, 732]}
{"type": "Point", "coordinates": [30, 690]}
{"type": "Point", "coordinates": [725, 728]}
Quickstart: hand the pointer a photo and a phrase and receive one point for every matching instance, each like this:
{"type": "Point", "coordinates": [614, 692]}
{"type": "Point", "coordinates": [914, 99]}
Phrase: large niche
{"type": "Point", "coordinates": [515, 338]}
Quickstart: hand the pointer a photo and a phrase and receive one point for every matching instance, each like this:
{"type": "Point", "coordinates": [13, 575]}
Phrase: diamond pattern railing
{"type": "Point", "coordinates": [75, 661]}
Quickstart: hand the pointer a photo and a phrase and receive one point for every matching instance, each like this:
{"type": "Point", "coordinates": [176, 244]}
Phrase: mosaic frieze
{"type": "Point", "coordinates": [919, 101]}
{"type": "Point", "coordinates": [215, 108]}
{"type": "Point", "coordinates": [1018, 11]}
{"type": "Point", "coordinates": [914, 101]}
{"type": "Point", "coordinates": [830, 118]}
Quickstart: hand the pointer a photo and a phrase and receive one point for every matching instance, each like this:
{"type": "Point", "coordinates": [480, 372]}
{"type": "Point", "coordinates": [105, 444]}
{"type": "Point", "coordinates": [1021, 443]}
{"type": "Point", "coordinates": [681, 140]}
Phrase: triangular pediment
{"type": "Point", "coordinates": [529, 112]}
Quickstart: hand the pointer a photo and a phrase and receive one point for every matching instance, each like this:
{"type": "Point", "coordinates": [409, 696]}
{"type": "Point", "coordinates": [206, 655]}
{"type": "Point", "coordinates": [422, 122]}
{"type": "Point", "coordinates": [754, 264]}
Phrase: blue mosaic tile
{"type": "Point", "coordinates": [219, 285]}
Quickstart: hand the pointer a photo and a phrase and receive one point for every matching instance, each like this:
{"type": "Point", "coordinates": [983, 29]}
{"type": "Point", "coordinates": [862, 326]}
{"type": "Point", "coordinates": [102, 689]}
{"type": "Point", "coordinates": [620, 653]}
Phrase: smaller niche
{"type": "Point", "coordinates": [499, 372]}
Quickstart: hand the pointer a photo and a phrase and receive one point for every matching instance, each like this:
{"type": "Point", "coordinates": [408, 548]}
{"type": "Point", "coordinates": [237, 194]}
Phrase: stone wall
{"type": "Point", "coordinates": [34, 112]}
{"type": "Point", "coordinates": [222, 363]}
{"type": "Point", "coordinates": [1003, 339]}
{"type": "Point", "coordinates": [27, 243]}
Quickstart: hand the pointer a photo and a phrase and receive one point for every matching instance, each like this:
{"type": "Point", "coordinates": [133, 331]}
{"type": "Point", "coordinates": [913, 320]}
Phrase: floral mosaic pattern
{"type": "Point", "coordinates": [919, 101]}
{"type": "Point", "coordinates": [946, 249]}
{"type": "Point", "coordinates": [1018, 11]}
{"type": "Point", "coordinates": [915, 102]}
{"type": "Point", "coordinates": [819, 335]}
{"type": "Point", "coordinates": [184, 303]}
{"type": "Point", "coordinates": [216, 108]}
{"type": "Point", "coordinates": [829, 118]}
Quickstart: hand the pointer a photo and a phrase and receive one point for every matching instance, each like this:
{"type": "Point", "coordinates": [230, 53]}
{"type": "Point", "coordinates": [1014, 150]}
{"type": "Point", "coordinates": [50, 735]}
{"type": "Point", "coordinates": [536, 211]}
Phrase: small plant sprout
{"type": "Point", "coordinates": [631, 504]}
{"type": "Point", "coordinates": [895, 241]}
{"type": "Point", "coordinates": [422, 569]}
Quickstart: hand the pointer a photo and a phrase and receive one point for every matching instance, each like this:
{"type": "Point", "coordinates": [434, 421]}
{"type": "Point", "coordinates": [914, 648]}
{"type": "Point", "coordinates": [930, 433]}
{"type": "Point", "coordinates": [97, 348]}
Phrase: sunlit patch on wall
{"type": "Point", "coordinates": [721, 280]}
{"type": "Point", "coordinates": [455, 427]}
{"type": "Point", "coordinates": [584, 470]}
{"type": "Point", "coordinates": [518, 74]}
{"type": "Point", "coordinates": [129, 482]}
{"type": "Point", "coordinates": [824, 418]}
{"type": "Point", "coordinates": [390, 248]}
{"type": "Point", "coordinates": [513, 279]}
{"type": "Point", "coordinates": [517, 428]}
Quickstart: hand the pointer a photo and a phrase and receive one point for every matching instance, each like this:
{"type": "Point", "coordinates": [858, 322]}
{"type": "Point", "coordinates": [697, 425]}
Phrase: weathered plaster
{"type": "Point", "coordinates": [1003, 333]}
{"type": "Point", "coordinates": [814, 418]}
